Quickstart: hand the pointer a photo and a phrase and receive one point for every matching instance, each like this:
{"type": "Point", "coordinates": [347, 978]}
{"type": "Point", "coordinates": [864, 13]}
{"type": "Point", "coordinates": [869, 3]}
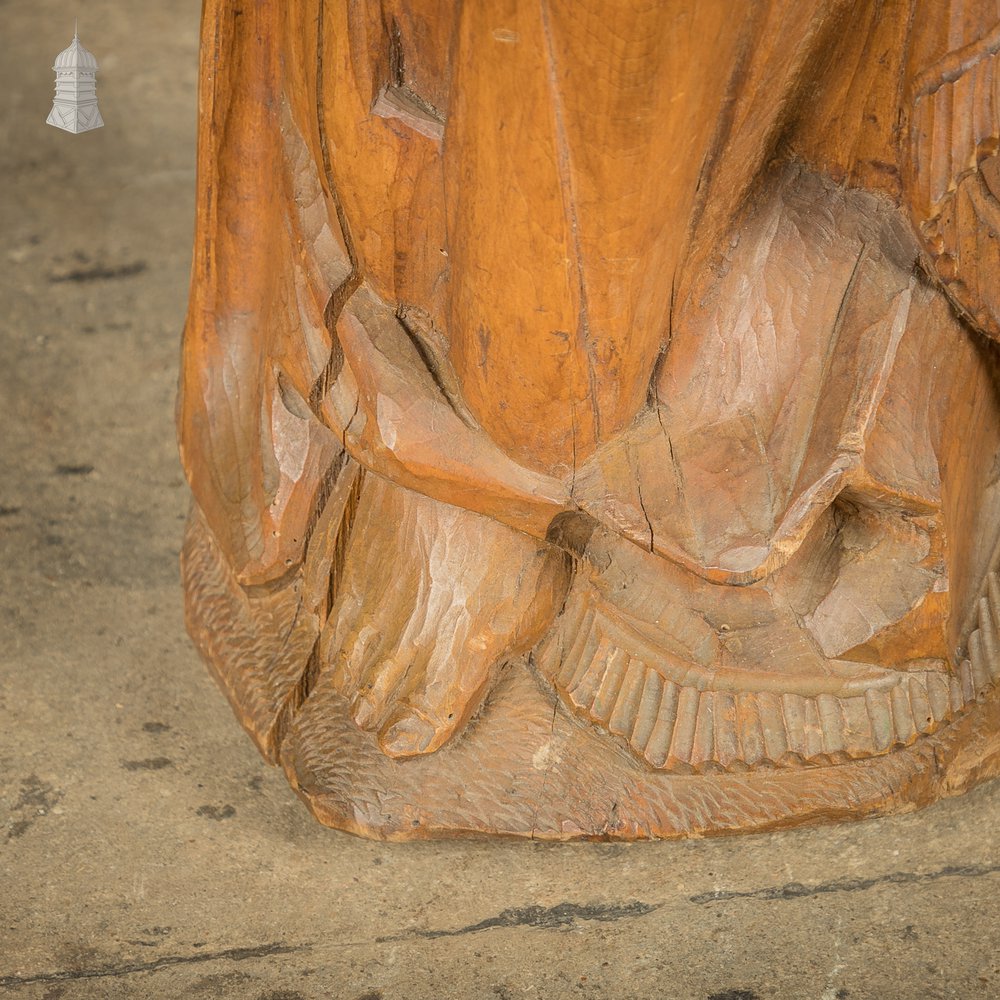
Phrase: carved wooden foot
{"type": "Point", "coordinates": [432, 602]}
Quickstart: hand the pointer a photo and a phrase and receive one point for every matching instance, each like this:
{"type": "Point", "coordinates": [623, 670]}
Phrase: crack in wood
{"type": "Point", "coordinates": [397, 100]}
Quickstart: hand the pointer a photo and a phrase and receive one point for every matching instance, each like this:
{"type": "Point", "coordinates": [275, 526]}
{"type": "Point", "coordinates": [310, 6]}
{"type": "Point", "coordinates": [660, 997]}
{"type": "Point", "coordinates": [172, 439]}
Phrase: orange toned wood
{"type": "Point", "coordinates": [592, 409]}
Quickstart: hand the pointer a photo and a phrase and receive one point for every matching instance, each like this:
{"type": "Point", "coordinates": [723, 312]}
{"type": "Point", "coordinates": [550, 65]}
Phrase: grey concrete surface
{"type": "Point", "coordinates": [145, 849]}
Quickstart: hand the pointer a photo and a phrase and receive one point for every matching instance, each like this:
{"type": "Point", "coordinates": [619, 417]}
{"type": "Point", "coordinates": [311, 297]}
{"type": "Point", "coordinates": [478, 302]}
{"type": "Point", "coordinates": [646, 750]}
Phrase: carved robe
{"type": "Point", "coordinates": [590, 407]}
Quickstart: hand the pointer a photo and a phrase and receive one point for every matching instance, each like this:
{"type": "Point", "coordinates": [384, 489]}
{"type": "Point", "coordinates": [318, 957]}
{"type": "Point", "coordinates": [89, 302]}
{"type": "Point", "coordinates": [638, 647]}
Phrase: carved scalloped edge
{"type": "Point", "coordinates": [689, 728]}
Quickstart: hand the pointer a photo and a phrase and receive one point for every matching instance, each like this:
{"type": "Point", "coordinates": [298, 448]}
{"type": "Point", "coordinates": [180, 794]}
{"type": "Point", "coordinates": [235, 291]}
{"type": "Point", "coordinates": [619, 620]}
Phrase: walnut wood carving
{"type": "Point", "coordinates": [592, 407]}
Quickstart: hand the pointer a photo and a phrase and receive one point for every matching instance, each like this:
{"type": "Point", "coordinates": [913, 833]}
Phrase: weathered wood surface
{"type": "Point", "coordinates": [592, 409]}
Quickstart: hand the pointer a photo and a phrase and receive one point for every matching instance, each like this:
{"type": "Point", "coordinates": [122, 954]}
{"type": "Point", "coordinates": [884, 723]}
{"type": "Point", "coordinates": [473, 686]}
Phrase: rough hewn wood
{"type": "Point", "coordinates": [592, 409]}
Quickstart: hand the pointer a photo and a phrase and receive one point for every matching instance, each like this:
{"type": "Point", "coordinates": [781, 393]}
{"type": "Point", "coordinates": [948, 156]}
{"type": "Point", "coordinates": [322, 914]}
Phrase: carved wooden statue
{"type": "Point", "coordinates": [592, 407]}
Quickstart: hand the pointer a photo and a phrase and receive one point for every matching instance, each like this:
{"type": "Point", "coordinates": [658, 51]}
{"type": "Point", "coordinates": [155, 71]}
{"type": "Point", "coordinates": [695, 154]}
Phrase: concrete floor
{"type": "Point", "coordinates": [145, 849]}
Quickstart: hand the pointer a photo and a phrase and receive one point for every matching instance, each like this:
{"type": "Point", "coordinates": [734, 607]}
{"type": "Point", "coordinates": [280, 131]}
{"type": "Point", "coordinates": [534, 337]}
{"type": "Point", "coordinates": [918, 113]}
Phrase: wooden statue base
{"type": "Point", "coordinates": [591, 409]}
{"type": "Point", "coordinates": [525, 767]}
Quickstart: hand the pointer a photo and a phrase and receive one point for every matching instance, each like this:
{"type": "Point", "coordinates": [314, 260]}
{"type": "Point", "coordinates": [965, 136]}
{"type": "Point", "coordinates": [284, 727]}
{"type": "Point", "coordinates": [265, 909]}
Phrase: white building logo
{"type": "Point", "coordinates": [75, 107]}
